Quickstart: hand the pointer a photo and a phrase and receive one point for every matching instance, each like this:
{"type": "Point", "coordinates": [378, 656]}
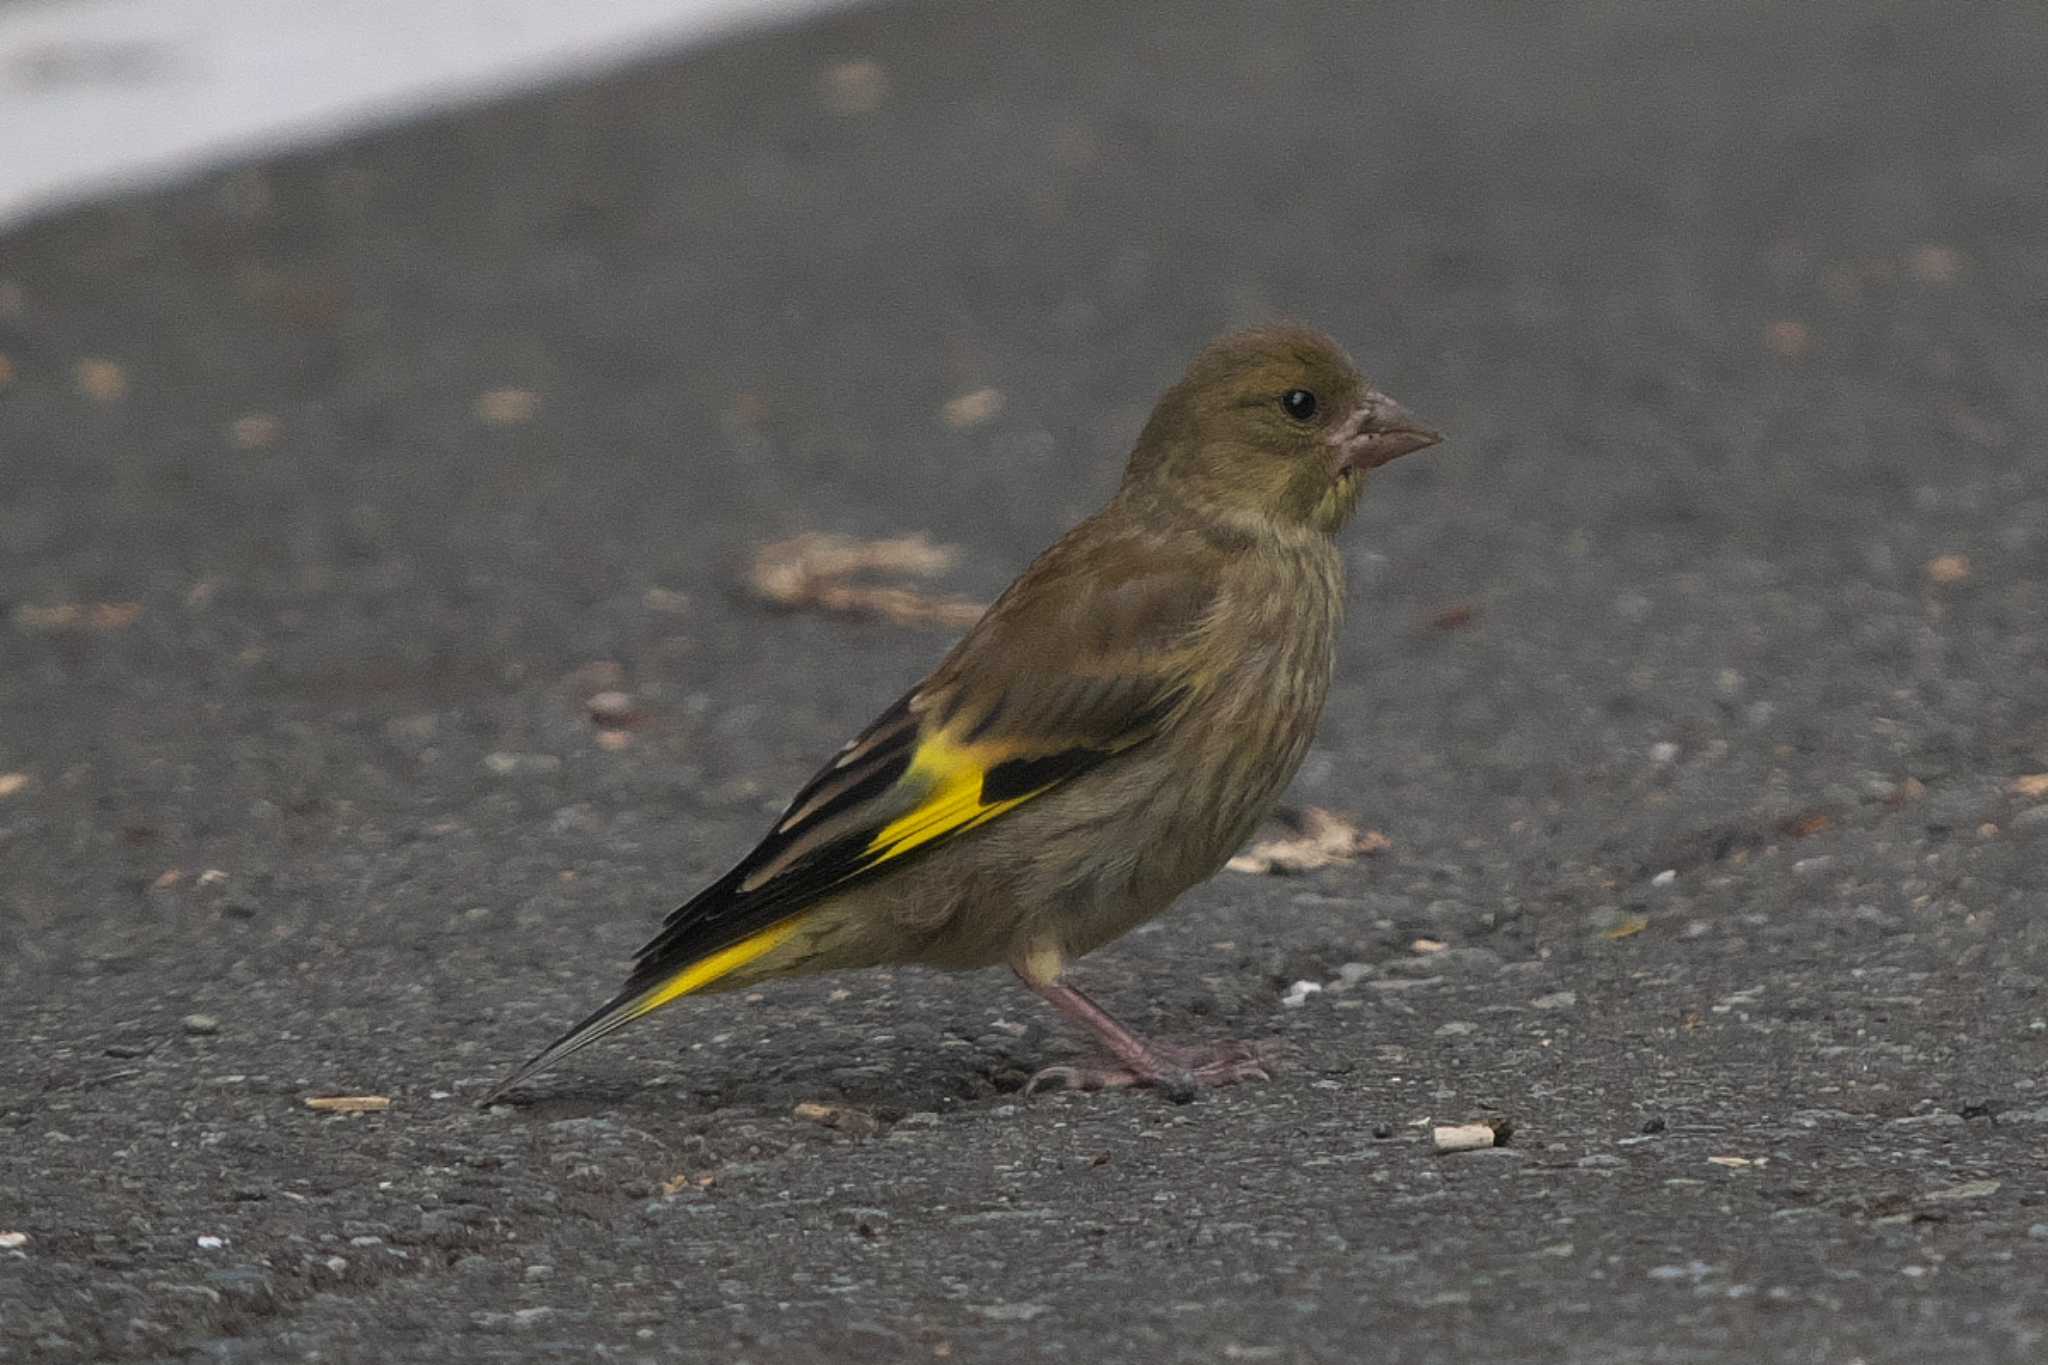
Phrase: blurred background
{"type": "Point", "coordinates": [405, 414]}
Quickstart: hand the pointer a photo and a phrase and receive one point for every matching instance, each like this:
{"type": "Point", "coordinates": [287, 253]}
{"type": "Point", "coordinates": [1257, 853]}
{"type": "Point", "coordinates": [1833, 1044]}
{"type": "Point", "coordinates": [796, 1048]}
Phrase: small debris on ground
{"type": "Point", "coordinates": [1968, 1189]}
{"type": "Point", "coordinates": [970, 410]}
{"type": "Point", "coordinates": [2033, 786]}
{"type": "Point", "coordinates": [255, 431]}
{"type": "Point", "coordinates": [11, 784]}
{"type": "Point", "coordinates": [1320, 838]}
{"type": "Point", "coordinates": [1471, 1137]}
{"type": "Point", "coordinates": [1788, 339]}
{"type": "Point", "coordinates": [1628, 928]}
{"type": "Point", "coordinates": [816, 571]}
{"type": "Point", "coordinates": [1457, 616]}
{"type": "Point", "coordinates": [506, 764]}
{"type": "Point", "coordinates": [201, 1025]}
{"type": "Point", "coordinates": [837, 1117]}
{"type": "Point", "coordinates": [1948, 570]}
{"type": "Point", "coordinates": [855, 87]}
{"type": "Point", "coordinates": [103, 381]}
{"type": "Point", "coordinates": [78, 616]}
{"type": "Point", "coordinates": [612, 707]}
{"type": "Point", "coordinates": [1934, 264]}
{"type": "Point", "coordinates": [1298, 994]}
{"type": "Point", "coordinates": [507, 407]}
{"type": "Point", "coordinates": [348, 1104]}
{"type": "Point", "coordinates": [10, 1241]}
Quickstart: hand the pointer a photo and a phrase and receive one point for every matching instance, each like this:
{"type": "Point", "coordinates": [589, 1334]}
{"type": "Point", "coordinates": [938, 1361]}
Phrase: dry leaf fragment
{"type": "Point", "coordinates": [829, 556]}
{"type": "Point", "coordinates": [970, 410]}
{"type": "Point", "coordinates": [507, 407]}
{"type": "Point", "coordinates": [1806, 826]}
{"type": "Point", "coordinates": [11, 784]}
{"type": "Point", "coordinates": [1787, 339]}
{"type": "Point", "coordinates": [1628, 928]}
{"type": "Point", "coordinates": [855, 87]}
{"type": "Point", "coordinates": [1457, 616]}
{"type": "Point", "coordinates": [100, 380]}
{"type": "Point", "coordinates": [1948, 570]}
{"type": "Point", "coordinates": [2033, 786]}
{"type": "Point", "coordinates": [837, 1117]}
{"type": "Point", "coordinates": [256, 431]}
{"type": "Point", "coordinates": [78, 615]}
{"type": "Point", "coordinates": [348, 1104]}
{"type": "Point", "coordinates": [1320, 839]}
{"type": "Point", "coordinates": [1935, 264]}
{"type": "Point", "coordinates": [167, 879]}
{"type": "Point", "coordinates": [814, 571]}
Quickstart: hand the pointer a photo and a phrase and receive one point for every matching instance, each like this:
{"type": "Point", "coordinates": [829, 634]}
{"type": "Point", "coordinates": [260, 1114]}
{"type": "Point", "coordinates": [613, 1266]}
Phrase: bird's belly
{"type": "Point", "coordinates": [1110, 849]}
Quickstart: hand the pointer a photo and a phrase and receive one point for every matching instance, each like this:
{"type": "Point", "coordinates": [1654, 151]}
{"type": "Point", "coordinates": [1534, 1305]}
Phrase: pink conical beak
{"type": "Point", "coordinates": [1379, 431]}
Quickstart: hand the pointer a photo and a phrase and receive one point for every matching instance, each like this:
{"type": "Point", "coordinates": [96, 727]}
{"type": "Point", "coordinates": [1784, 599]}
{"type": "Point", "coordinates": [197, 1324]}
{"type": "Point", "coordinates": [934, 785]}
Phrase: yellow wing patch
{"type": "Point", "coordinates": [953, 775]}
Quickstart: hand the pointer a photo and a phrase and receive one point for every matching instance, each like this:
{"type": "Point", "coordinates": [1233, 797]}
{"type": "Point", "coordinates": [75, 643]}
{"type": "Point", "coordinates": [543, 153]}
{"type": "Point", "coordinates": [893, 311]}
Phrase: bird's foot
{"type": "Point", "coordinates": [1177, 1071]}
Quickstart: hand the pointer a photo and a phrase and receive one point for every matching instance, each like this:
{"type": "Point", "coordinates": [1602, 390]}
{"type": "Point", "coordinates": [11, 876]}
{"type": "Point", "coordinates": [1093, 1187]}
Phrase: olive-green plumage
{"type": "Point", "coordinates": [1101, 740]}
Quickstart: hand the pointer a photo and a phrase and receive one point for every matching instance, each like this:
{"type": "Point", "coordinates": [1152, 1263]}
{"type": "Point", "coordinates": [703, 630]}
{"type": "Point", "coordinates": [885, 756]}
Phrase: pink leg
{"type": "Point", "coordinates": [1177, 1071]}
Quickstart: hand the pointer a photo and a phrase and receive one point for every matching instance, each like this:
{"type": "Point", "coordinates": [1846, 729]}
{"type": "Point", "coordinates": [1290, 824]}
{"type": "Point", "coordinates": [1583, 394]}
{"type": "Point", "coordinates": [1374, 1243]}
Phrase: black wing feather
{"type": "Point", "coordinates": [726, 911]}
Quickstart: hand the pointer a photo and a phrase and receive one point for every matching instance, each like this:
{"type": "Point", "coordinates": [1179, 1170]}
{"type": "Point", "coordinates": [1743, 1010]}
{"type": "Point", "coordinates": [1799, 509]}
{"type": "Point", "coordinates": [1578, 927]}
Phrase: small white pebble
{"type": "Point", "coordinates": [1299, 992]}
{"type": "Point", "coordinates": [1665, 878]}
{"type": "Point", "coordinates": [211, 1244]}
{"type": "Point", "coordinates": [10, 1240]}
{"type": "Point", "coordinates": [1461, 1137]}
{"type": "Point", "coordinates": [1665, 752]}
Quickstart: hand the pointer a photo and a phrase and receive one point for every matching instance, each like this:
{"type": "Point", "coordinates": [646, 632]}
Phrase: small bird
{"type": "Point", "coordinates": [1104, 738]}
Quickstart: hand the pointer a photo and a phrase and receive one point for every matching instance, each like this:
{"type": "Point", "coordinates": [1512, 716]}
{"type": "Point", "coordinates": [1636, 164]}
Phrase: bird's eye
{"type": "Point", "coordinates": [1300, 404]}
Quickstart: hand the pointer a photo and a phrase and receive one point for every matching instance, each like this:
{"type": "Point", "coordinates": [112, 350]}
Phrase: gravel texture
{"type": "Point", "coordinates": [375, 670]}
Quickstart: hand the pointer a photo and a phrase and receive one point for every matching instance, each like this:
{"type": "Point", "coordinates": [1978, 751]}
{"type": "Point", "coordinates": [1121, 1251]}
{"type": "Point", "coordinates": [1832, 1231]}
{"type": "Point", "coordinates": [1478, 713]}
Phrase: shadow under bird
{"type": "Point", "coordinates": [1104, 738]}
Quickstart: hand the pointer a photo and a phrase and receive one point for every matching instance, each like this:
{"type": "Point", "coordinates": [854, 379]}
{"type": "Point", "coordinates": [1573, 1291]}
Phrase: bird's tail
{"type": "Point", "coordinates": [646, 992]}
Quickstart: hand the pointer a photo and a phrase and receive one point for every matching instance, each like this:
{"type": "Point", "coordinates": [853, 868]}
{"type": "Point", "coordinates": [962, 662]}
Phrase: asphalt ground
{"type": "Point", "coordinates": [1693, 682]}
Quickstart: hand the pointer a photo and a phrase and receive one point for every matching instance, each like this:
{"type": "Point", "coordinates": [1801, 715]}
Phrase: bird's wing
{"type": "Point", "coordinates": [1086, 656]}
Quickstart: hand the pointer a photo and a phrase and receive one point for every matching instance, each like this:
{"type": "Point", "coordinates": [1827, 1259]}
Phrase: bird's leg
{"type": "Point", "coordinates": [1177, 1071]}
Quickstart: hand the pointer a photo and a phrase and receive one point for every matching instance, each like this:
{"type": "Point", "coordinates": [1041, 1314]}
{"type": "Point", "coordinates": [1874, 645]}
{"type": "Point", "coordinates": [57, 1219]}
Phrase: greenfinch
{"type": "Point", "coordinates": [1104, 738]}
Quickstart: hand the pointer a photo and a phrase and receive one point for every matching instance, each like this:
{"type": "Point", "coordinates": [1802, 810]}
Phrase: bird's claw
{"type": "Point", "coordinates": [1187, 1070]}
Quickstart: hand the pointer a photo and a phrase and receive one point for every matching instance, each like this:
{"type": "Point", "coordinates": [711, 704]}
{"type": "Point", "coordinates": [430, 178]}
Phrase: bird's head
{"type": "Point", "coordinates": [1272, 426]}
